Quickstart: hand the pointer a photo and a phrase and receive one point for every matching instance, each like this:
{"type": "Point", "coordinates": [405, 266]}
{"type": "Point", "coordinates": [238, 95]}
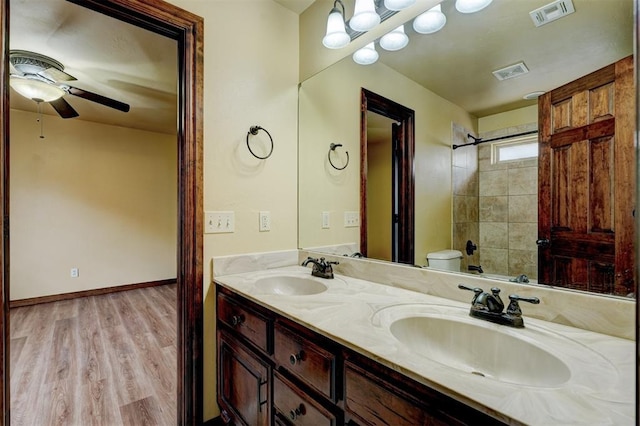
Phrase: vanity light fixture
{"type": "Point", "coordinates": [395, 40]}
{"type": "Point", "coordinates": [471, 6]}
{"type": "Point", "coordinates": [336, 36]}
{"type": "Point", "coordinates": [366, 55]}
{"type": "Point", "coordinates": [431, 21]}
{"type": "Point", "coordinates": [398, 4]}
{"type": "Point", "coordinates": [364, 17]}
{"type": "Point", "coordinates": [36, 90]}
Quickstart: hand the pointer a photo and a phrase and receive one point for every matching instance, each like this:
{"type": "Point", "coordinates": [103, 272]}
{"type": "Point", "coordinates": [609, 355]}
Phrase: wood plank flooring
{"type": "Point", "coordinates": [100, 360]}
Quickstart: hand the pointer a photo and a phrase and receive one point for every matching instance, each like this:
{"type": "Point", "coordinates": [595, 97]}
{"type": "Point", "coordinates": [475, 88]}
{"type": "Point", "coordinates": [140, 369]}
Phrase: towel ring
{"type": "Point", "coordinates": [253, 130]}
{"type": "Point", "coordinates": [333, 147]}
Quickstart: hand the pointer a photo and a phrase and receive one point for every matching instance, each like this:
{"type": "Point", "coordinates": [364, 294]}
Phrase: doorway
{"type": "Point", "coordinates": [187, 30]}
{"type": "Point", "coordinates": [397, 216]}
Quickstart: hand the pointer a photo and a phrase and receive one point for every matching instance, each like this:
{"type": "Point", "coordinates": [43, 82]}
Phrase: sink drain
{"type": "Point", "coordinates": [477, 373]}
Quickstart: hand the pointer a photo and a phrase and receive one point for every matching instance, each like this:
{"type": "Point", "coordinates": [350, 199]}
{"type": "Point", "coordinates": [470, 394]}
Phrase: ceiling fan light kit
{"type": "Point", "coordinates": [36, 90]}
{"type": "Point", "coordinates": [42, 79]}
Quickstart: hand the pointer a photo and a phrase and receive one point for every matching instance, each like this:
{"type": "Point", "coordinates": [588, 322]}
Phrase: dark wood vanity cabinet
{"type": "Point", "coordinates": [272, 370]}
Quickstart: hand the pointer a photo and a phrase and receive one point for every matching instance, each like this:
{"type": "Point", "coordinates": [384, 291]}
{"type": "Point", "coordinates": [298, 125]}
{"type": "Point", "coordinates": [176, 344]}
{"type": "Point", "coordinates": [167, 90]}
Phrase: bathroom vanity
{"type": "Point", "coordinates": [295, 349]}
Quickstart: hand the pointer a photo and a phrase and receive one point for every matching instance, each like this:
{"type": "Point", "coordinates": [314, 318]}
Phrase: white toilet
{"type": "Point", "coordinates": [449, 260]}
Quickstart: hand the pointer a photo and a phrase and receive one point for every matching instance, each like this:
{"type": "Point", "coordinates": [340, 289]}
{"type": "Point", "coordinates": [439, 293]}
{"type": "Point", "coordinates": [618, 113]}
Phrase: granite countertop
{"type": "Point", "coordinates": [358, 314]}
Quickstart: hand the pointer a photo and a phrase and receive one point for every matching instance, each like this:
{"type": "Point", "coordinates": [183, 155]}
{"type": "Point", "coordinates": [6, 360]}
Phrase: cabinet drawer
{"type": "Point", "coordinates": [298, 408]}
{"type": "Point", "coordinates": [305, 360]}
{"type": "Point", "coordinates": [374, 402]}
{"type": "Point", "coordinates": [249, 323]}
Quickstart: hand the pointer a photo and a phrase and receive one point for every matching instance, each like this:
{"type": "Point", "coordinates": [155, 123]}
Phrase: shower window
{"type": "Point", "coordinates": [514, 149]}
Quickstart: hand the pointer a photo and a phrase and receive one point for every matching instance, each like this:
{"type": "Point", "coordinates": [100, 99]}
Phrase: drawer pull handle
{"type": "Point", "coordinates": [297, 412]}
{"type": "Point", "coordinates": [237, 320]}
{"type": "Point", "coordinates": [296, 358]}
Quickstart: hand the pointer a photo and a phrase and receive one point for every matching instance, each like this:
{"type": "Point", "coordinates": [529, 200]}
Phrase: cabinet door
{"type": "Point", "coordinates": [244, 391]}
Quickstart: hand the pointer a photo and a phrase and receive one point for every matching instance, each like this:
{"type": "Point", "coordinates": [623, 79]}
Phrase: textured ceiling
{"type": "Point", "coordinates": [107, 56]}
{"type": "Point", "coordinates": [456, 62]}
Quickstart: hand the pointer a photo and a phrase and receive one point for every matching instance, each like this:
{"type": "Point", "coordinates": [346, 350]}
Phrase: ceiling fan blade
{"type": "Point", "coordinates": [112, 103]}
{"type": "Point", "coordinates": [63, 108]}
{"type": "Point", "coordinates": [55, 74]}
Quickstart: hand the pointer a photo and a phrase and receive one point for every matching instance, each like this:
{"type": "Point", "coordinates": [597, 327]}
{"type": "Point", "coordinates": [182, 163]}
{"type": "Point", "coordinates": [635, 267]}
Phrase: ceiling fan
{"type": "Point", "coordinates": [42, 79]}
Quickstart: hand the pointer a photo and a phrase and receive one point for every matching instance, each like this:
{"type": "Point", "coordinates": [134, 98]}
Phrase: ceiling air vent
{"type": "Point", "coordinates": [551, 12]}
{"type": "Point", "coordinates": [511, 71]}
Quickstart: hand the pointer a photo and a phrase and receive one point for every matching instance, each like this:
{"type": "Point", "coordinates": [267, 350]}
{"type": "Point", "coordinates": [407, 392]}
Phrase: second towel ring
{"type": "Point", "coordinates": [253, 130]}
{"type": "Point", "coordinates": [333, 147]}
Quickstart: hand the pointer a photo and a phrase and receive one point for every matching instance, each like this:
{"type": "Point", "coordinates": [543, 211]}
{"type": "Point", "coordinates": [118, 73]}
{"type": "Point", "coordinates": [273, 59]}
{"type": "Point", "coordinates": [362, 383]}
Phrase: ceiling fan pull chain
{"type": "Point", "coordinates": [40, 120]}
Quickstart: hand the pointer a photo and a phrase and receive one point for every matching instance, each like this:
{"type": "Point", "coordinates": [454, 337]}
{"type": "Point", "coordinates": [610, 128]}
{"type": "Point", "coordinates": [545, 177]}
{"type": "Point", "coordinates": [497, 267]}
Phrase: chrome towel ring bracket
{"type": "Point", "coordinates": [253, 130]}
{"type": "Point", "coordinates": [333, 147]}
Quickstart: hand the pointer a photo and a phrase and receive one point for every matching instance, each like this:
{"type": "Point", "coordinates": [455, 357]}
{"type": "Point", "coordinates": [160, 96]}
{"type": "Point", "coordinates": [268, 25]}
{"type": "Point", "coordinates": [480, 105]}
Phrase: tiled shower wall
{"type": "Point", "coordinates": [495, 206]}
{"type": "Point", "coordinates": [508, 211]}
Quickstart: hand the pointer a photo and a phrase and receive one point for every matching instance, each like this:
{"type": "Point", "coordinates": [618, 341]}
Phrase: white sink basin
{"type": "Point", "coordinates": [289, 285]}
{"type": "Point", "coordinates": [486, 351]}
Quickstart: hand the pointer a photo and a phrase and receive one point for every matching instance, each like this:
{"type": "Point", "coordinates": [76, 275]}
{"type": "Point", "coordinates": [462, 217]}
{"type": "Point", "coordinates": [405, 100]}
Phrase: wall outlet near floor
{"type": "Point", "coordinates": [75, 272]}
{"type": "Point", "coordinates": [326, 220]}
{"type": "Point", "coordinates": [219, 222]}
{"type": "Point", "coordinates": [351, 219]}
{"type": "Point", "coordinates": [265, 221]}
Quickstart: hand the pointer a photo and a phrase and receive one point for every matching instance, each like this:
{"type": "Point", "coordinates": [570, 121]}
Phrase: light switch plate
{"type": "Point", "coordinates": [326, 220]}
{"type": "Point", "coordinates": [351, 219]}
{"type": "Point", "coordinates": [219, 222]}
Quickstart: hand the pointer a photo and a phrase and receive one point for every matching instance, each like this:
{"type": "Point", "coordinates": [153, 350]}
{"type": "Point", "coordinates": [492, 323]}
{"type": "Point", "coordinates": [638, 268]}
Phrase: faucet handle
{"type": "Point", "coordinates": [514, 306]}
{"type": "Point", "coordinates": [515, 297]}
{"type": "Point", "coordinates": [476, 290]}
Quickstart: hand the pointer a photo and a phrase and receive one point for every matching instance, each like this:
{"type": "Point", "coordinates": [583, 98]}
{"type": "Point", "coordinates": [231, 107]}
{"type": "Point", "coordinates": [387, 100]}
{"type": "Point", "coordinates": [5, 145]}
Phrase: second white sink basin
{"type": "Point", "coordinates": [289, 285]}
{"type": "Point", "coordinates": [480, 350]}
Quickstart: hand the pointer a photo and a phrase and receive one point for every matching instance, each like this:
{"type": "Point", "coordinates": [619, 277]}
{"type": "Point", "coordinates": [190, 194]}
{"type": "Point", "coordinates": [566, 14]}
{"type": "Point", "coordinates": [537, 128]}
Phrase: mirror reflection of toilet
{"type": "Point", "coordinates": [448, 260]}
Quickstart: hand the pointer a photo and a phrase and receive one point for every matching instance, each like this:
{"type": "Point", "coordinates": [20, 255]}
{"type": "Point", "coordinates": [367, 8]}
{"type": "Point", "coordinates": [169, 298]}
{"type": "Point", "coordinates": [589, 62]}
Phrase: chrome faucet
{"type": "Point", "coordinates": [489, 306]}
{"type": "Point", "coordinates": [321, 268]}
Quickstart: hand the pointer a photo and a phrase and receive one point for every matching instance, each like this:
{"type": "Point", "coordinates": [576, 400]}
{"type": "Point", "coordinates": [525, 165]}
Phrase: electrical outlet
{"type": "Point", "coordinates": [219, 222]}
{"type": "Point", "coordinates": [351, 219]}
{"type": "Point", "coordinates": [75, 272]}
{"type": "Point", "coordinates": [325, 220]}
{"type": "Point", "coordinates": [265, 221]}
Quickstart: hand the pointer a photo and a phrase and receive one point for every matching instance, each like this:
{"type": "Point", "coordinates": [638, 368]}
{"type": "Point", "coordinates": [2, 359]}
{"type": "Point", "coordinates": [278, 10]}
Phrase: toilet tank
{"type": "Point", "coordinates": [448, 260]}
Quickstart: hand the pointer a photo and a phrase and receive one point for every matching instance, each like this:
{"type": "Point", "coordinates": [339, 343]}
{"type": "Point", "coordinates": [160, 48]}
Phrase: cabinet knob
{"type": "Point", "coordinates": [237, 320]}
{"type": "Point", "coordinates": [297, 412]}
{"type": "Point", "coordinates": [296, 358]}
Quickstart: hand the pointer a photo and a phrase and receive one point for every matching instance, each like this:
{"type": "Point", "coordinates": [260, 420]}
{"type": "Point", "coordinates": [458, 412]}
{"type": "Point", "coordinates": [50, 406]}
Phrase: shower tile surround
{"type": "Point", "coordinates": [503, 220]}
{"type": "Point", "coordinates": [600, 314]}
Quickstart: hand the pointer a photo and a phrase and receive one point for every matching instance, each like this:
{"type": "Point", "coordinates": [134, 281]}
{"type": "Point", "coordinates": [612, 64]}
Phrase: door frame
{"type": "Point", "coordinates": [373, 102]}
{"type": "Point", "coordinates": [188, 30]}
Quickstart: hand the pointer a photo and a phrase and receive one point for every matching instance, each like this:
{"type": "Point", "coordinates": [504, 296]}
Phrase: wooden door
{"type": "Point", "coordinates": [587, 182]}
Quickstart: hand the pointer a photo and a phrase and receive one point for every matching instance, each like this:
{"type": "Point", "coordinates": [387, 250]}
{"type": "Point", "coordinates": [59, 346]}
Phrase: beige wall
{"type": "Point", "coordinates": [330, 112]}
{"type": "Point", "coordinates": [512, 118]}
{"type": "Point", "coordinates": [90, 196]}
{"type": "Point", "coordinates": [379, 200]}
{"type": "Point", "coordinates": [251, 77]}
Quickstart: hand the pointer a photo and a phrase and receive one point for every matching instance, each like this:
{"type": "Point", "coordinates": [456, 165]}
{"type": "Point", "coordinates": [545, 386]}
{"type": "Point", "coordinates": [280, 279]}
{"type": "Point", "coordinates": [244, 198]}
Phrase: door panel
{"type": "Point", "coordinates": [586, 157]}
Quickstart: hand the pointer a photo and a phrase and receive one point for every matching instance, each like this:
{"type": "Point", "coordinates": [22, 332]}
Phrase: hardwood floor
{"type": "Point", "coordinates": [99, 360]}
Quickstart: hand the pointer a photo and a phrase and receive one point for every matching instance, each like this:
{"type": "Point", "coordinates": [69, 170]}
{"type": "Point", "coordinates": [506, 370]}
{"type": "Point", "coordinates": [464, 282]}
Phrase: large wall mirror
{"type": "Point", "coordinates": [447, 79]}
